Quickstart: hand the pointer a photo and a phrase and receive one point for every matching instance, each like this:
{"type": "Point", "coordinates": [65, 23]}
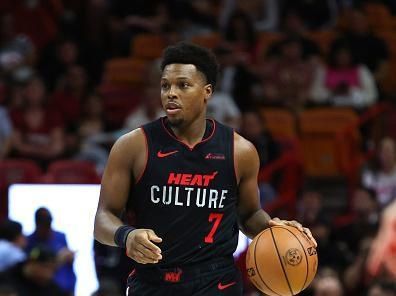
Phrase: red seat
{"type": "Point", "coordinates": [16, 171]}
{"type": "Point", "coordinates": [72, 172]}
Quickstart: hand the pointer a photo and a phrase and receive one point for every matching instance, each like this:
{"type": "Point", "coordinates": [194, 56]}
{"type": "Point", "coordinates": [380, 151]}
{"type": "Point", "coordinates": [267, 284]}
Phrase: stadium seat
{"type": "Point", "coordinates": [211, 40]}
{"type": "Point", "coordinates": [378, 16]}
{"type": "Point", "coordinates": [147, 46]}
{"type": "Point", "coordinates": [125, 71]}
{"type": "Point", "coordinates": [72, 172]}
{"type": "Point", "coordinates": [118, 102]}
{"type": "Point", "coordinates": [323, 39]}
{"type": "Point", "coordinates": [330, 141]}
{"type": "Point", "coordinates": [16, 171]}
{"type": "Point", "coordinates": [280, 122]}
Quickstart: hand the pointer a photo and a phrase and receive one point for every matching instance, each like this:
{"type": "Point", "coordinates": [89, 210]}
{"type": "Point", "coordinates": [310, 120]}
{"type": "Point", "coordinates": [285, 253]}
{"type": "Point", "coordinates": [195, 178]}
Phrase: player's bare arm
{"type": "Point", "coordinates": [253, 219]}
{"type": "Point", "coordinates": [126, 162]}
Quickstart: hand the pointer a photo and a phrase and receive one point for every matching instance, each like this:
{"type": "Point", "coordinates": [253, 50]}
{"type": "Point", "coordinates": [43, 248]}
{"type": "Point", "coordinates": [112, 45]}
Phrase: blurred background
{"type": "Point", "coordinates": [310, 83]}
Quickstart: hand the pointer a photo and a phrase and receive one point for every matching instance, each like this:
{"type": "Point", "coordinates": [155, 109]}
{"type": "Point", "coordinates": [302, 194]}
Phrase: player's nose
{"type": "Point", "coordinates": [172, 94]}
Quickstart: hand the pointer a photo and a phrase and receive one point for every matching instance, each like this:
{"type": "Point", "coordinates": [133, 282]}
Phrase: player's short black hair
{"type": "Point", "coordinates": [187, 53]}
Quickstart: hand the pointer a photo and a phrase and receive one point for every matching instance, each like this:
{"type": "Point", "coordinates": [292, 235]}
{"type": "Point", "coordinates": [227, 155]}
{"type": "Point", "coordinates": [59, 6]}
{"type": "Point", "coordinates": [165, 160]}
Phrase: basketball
{"type": "Point", "coordinates": [281, 261]}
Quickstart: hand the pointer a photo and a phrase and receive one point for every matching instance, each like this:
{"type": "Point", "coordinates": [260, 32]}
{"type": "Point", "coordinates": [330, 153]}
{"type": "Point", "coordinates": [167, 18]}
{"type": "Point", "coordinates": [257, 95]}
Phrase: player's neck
{"type": "Point", "coordinates": [191, 133]}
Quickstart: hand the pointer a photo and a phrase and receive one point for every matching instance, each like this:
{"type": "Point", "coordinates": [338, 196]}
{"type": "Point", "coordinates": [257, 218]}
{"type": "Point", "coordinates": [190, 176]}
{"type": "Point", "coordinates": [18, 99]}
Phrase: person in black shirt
{"type": "Point", "coordinates": [191, 183]}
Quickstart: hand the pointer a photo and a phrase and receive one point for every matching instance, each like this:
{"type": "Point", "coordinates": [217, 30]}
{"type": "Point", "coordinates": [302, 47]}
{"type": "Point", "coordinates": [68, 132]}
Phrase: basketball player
{"type": "Point", "coordinates": [192, 184]}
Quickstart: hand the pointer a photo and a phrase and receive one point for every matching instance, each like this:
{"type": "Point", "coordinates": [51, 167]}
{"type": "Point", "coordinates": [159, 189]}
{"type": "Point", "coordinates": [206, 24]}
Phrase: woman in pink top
{"type": "Point", "coordinates": [342, 82]}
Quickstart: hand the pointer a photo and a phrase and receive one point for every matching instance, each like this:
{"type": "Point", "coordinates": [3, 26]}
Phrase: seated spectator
{"type": "Point", "coordinates": [328, 284]}
{"type": "Point", "coordinates": [382, 288]}
{"type": "Point", "coordinates": [343, 82]}
{"type": "Point", "coordinates": [222, 108]}
{"type": "Point", "coordinates": [38, 130]}
{"type": "Point", "coordinates": [382, 256]}
{"type": "Point", "coordinates": [129, 18]}
{"type": "Point", "coordinates": [241, 37]}
{"type": "Point", "coordinates": [362, 222]}
{"type": "Point", "coordinates": [15, 50]}
{"type": "Point", "coordinates": [358, 36]}
{"type": "Point", "coordinates": [288, 78]}
{"type": "Point", "coordinates": [311, 212]}
{"type": "Point", "coordinates": [381, 175]}
{"type": "Point", "coordinates": [236, 78]}
{"type": "Point", "coordinates": [56, 58]}
{"type": "Point", "coordinates": [71, 91]}
{"type": "Point", "coordinates": [150, 107]}
{"type": "Point", "coordinates": [91, 131]}
{"type": "Point", "coordinates": [264, 14]}
{"type": "Point", "coordinates": [316, 14]}
{"type": "Point", "coordinates": [253, 129]}
{"type": "Point", "coordinates": [5, 133]}
{"type": "Point", "coordinates": [55, 242]}
{"type": "Point", "coordinates": [12, 244]}
{"type": "Point", "coordinates": [293, 27]}
{"type": "Point", "coordinates": [38, 20]}
{"type": "Point", "coordinates": [34, 276]}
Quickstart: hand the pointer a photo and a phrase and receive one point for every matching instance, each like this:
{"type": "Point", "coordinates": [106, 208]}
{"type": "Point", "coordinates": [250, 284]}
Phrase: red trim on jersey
{"type": "Point", "coordinates": [182, 142]}
{"type": "Point", "coordinates": [147, 157]}
{"type": "Point", "coordinates": [233, 157]}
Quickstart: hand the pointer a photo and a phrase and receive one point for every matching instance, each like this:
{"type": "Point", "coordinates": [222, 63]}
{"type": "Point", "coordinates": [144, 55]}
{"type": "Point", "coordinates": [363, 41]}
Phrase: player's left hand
{"type": "Point", "coordinates": [277, 221]}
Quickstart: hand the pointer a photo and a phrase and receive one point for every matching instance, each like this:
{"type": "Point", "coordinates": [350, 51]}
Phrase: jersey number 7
{"type": "Point", "coordinates": [216, 219]}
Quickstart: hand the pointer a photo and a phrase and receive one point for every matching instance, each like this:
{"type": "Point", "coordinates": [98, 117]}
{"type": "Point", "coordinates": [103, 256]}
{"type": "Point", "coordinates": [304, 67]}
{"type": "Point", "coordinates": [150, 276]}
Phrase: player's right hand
{"type": "Point", "coordinates": [140, 246]}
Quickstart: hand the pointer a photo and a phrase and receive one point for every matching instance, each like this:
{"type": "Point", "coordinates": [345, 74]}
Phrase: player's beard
{"type": "Point", "coordinates": [175, 122]}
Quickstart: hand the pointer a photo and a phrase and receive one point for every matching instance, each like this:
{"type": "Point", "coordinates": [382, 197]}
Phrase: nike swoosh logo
{"type": "Point", "coordinates": [162, 154]}
{"type": "Point", "coordinates": [220, 286]}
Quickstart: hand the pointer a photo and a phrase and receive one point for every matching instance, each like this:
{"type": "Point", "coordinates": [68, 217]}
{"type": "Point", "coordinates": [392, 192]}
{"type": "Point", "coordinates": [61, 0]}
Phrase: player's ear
{"type": "Point", "coordinates": [208, 91]}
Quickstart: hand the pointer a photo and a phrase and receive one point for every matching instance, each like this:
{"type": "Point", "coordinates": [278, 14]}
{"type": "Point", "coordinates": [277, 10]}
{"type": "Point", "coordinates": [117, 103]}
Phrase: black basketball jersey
{"type": "Point", "coordinates": [188, 195]}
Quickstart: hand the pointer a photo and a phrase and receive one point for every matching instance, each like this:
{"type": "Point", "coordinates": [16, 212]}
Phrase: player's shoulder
{"type": "Point", "coordinates": [242, 146]}
{"type": "Point", "coordinates": [130, 144]}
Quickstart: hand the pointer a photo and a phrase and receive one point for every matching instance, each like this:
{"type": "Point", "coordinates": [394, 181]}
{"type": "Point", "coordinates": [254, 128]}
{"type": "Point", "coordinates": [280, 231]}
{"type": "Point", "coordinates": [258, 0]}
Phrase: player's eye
{"type": "Point", "coordinates": [184, 84]}
{"type": "Point", "coordinates": [164, 86]}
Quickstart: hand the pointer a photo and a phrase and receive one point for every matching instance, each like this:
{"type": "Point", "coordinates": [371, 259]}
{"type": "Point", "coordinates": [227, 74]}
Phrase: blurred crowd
{"type": "Point", "coordinates": [64, 96]}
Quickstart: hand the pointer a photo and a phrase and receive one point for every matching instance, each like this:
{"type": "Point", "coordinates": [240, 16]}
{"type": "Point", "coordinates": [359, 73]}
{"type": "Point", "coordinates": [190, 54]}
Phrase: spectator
{"type": "Point", "coordinates": [150, 107]}
{"type": "Point", "coordinates": [382, 175]}
{"type": "Point", "coordinates": [223, 108]}
{"type": "Point", "coordinates": [362, 221]}
{"type": "Point", "coordinates": [5, 133]}
{"type": "Point", "coordinates": [55, 242]}
{"type": "Point", "coordinates": [34, 276]}
{"type": "Point", "coordinates": [288, 78]}
{"type": "Point", "coordinates": [236, 78]}
{"type": "Point", "coordinates": [343, 82]}
{"type": "Point", "coordinates": [38, 20]}
{"type": "Point", "coordinates": [316, 14]}
{"type": "Point", "coordinates": [357, 36]}
{"type": "Point", "coordinates": [241, 37]}
{"type": "Point", "coordinates": [56, 58]}
{"type": "Point", "coordinates": [16, 50]}
{"type": "Point", "coordinates": [253, 129]}
{"type": "Point", "coordinates": [328, 285]}
{"type": "Point", "coordinates": [382, 257]}
{"type": "Point", "coordinates": [293, 28]}
{"type": "Point", "coordinates": [129, 18]}
{"type": "Point", "coordinates": [91, 131]}
{"type": "Point", "coordinates": [264, 14]}
{"type": "Point", "coordinates": [38, 130]}
{"type": "Point", "coordinates": [312, 212]}
{"type": "Point", "coordinates": [383, 288]}
{"type": "Point", "coordinates": [12, 244]}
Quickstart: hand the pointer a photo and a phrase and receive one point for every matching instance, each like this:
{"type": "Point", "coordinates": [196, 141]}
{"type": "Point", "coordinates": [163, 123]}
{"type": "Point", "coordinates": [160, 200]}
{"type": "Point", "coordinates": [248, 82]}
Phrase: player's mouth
{"type": "Point", "coordinates": [172, 108]}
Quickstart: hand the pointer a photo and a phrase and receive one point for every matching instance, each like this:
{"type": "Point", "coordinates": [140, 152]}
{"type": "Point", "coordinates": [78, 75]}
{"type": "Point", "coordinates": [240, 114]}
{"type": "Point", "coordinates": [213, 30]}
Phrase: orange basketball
{"type": "Point", "coordinates": [281, 261]}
